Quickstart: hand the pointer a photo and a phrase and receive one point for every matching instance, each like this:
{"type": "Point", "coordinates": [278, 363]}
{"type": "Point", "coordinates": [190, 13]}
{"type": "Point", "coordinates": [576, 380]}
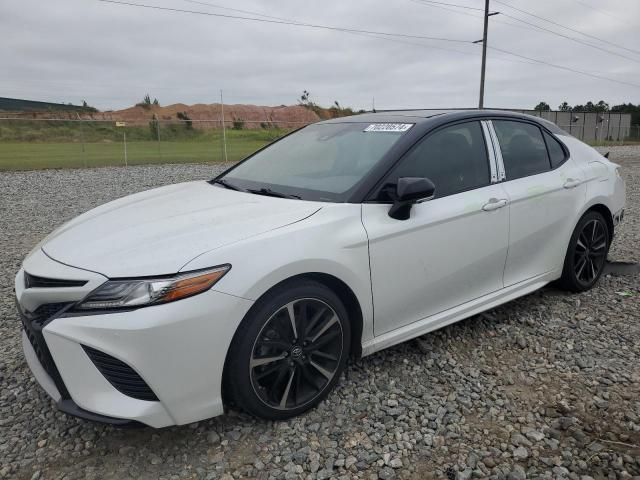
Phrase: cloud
{"type": "Point", "coordinates": [111, 55]}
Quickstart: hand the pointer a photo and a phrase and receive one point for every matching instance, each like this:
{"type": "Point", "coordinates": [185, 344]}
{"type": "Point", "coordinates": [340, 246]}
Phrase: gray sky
{"type": "Point", "coordinates": [111, 55]}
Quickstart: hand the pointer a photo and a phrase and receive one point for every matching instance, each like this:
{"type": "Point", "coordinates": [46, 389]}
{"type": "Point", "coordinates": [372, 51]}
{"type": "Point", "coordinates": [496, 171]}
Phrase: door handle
{"type": "Point", "coordinates": [571, 183]}
{"type": "Point", "coordinates": [494, 204]}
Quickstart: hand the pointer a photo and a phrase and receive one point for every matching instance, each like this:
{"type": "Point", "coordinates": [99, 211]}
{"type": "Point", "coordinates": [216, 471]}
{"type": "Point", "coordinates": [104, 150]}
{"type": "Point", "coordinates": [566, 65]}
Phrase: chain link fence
{"type": "Point", "coordinates": [634, 134]}
{"type": "Point", "coordinates": [66, 143]}
{"type": "Point", "coordinates": [27, 144]}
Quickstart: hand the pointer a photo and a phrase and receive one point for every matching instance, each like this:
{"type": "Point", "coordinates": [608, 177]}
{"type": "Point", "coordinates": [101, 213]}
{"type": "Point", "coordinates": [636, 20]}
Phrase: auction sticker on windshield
{"type": "Point", "coordinates": [388, 127]}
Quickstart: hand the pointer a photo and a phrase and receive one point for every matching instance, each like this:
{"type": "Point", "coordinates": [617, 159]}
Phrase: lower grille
{"type": "Point", "coordinates": [32, 323]}
{"type": "Point", "coordinates": [43, 313]}
{"type": "Point", "coordinates": [120, 375]}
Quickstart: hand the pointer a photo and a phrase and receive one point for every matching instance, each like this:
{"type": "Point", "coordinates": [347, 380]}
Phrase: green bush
{"type": "Point", "coordinates": [187, 120]}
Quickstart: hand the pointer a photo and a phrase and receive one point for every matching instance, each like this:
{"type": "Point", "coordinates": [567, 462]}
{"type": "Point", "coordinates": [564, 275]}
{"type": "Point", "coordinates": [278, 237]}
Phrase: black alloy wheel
{"type": "Point", "coordinates": [289, 351]}
{"type": "Point", "coordinates": [590, 252]}
{"type": "Point", "coordinates": [587, 253]}
{"type": "Point", "coordinates": [296, 354]}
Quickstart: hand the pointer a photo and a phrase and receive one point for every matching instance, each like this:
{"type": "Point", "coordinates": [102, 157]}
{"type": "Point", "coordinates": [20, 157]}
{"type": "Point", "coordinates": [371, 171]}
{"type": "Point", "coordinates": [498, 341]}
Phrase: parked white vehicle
{"type": "Point", "coordinates": [338, 240]}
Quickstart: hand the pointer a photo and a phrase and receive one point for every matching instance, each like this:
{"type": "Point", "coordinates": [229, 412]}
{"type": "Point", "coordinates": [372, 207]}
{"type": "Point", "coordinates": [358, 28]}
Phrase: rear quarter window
{"type": "Point", "coordinates": [556, 152]}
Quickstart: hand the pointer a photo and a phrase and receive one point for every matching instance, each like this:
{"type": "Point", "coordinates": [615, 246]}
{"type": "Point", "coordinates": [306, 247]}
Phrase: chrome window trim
{"type": "Point", "coordinates": [498, 151]}
{"type": "Point", "coordinates": [491, 151]}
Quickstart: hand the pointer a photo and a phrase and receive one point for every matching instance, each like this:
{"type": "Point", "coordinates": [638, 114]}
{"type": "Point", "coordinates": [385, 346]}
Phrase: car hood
{"type": "Point", "coordinates": [159, 231]}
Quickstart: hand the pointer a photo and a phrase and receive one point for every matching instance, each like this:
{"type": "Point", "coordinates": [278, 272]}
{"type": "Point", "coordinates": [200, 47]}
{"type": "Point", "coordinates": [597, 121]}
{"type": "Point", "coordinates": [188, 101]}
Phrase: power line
{"type": "Point", "coordinates": [248, 12]}
{"type": "Point", "coordinates": [404, 42]}
{"type": "Point", "coordinates": [299, 22]}
{"type": "Point", "coordinates": [369, 32]}
{"type": "Point", "coordinates": [440, 5]}
{"type": "Point", "coordinates": [577, 40]}
{"type": "Point", "coordinates": [562, 67]}
{"type": "Point", "coordinates": [289, 21]}
{"type": "Point", "coordinates": [437, 4]}
{"type": "Point", "coordinates": [213, 5]}
{"type": "Point", "coordinates": [524, 57]}
{"type": "Point", "coordinates": [564, 26]}
{"type": "Point", "coordinates": [603, 12]}
{"type": "Point", "coordinates": [466, 7]}
{"type": "Point", "coordinates": [283, 22]}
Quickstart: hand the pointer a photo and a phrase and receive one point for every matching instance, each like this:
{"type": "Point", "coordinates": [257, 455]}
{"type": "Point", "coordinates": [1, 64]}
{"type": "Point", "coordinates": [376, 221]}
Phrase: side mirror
{"type": "Point", "coordinates": [410, 190]}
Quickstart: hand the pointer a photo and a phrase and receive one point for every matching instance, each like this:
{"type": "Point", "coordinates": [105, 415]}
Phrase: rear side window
{"type": "Point", "coordinates": [556, 153]}
{"type": "Point", "coordinates": [523, 149]}
{"type": "Point", "coordinates": [453, 158]}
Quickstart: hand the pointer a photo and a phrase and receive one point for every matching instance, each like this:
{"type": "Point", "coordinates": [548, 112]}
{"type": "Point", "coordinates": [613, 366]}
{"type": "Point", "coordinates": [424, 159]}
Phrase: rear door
{"type": "Point", "coordinates": [452, 249]}
{"type": "Point", "coordinates": [545, 189]}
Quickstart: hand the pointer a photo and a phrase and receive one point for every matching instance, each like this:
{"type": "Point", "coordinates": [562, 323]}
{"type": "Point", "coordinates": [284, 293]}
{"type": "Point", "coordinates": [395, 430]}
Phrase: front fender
{"type": "Point", "coordinates": [332, 242]}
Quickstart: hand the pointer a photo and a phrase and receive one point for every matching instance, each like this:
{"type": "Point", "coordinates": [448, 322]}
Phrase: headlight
{"type": "Point", "coordinates": [141, 292]}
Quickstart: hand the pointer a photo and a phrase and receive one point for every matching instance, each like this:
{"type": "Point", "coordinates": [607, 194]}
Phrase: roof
{"type": "Point", "coordinates": [423, 116]}
{"type": "Point", "coordinates": [399, 116]}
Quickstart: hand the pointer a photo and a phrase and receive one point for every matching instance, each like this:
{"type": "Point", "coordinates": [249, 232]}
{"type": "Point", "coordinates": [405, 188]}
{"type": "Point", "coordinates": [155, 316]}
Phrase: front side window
{"type": "Point", "coordinates": [453, 158]}
{"type": "Point", "coordinates": [318, 162]}
{"type": "Point", "coordinates": [523, 149]}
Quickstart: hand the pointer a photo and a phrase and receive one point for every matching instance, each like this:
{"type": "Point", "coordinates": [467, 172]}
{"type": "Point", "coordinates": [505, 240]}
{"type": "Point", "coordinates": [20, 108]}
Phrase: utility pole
{"type": "Point", "coordinates": [155, 117]}
{"type": "Point", "coordinates": [484, 53]}
{"type": "Point", "coordinates": [124, 138]}
{"type": "Point", "coordinates": [224, 132]}
{"type": "Point", "coordinates": [84, 159]}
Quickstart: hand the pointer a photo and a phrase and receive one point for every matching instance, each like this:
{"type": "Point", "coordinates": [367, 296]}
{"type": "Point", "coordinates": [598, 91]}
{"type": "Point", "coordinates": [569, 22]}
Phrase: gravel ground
{"type": "Point", "coordinates": [547, 386]}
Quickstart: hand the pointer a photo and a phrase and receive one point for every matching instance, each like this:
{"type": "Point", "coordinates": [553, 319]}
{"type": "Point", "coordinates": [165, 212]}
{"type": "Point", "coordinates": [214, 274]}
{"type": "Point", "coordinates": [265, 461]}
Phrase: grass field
{"type": "Point", "coordinates": [30, 145]}
{"type": "Point", "coordinates": [33, 155]}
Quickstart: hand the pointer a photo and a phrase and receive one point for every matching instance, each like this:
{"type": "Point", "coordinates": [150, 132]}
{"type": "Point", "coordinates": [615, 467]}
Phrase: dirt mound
{"type": "Point", "coordinates": [202, 115]}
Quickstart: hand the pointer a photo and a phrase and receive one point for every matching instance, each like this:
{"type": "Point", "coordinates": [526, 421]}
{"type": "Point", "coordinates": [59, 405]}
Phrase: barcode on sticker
{"type": "Point", "coordinates": [388, 127]}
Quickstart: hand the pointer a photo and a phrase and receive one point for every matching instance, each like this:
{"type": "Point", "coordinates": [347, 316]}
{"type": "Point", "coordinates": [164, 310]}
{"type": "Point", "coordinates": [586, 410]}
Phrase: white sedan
{"type": "Point", "coordinates": [338, 240]}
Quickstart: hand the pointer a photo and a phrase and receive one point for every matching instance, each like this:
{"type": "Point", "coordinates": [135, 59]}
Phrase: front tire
{"type": "Point", "coordinates": [289, 351]}
{"type": "Point", "coordinates": [587, 253]}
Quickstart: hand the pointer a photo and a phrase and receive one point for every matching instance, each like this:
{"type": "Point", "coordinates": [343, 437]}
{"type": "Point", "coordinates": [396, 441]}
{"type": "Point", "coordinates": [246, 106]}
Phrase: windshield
{"type": "Point", "coordinates": [318, 162]}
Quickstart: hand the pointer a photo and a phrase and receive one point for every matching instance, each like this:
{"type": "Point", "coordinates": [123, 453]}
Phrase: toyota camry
{"type": "Point", "coordinates": [340, 239]}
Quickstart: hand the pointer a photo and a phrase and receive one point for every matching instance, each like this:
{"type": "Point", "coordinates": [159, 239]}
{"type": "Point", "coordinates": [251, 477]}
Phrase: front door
{"type": "Point", "coordinates": [453, 248]}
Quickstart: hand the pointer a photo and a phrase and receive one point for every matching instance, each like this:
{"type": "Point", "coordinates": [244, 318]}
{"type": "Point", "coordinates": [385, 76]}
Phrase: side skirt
{"type": "Point", "coordinates": [458, 313]}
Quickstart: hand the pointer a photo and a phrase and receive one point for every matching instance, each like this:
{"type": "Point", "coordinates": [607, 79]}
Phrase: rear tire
{"type": "Point", "coordinates": [586, 254]}
{"type": "Point", "coordinates": [289, 350]}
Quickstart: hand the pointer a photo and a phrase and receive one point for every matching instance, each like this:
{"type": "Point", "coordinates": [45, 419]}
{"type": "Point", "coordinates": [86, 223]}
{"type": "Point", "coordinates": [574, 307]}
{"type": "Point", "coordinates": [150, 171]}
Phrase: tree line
{"type": "Point", "coordinates": [600, 106]}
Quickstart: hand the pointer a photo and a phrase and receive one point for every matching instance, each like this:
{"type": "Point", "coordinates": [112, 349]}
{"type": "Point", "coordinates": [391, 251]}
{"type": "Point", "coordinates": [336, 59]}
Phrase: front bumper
{"type": "Point", "coordinates": [178, 349]}
{"type": "Point", "coordinates": [64, 404]}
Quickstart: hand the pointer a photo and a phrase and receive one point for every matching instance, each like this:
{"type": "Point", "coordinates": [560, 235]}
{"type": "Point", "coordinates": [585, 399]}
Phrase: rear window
{"type": "Point", "coordinates": [523, 149]}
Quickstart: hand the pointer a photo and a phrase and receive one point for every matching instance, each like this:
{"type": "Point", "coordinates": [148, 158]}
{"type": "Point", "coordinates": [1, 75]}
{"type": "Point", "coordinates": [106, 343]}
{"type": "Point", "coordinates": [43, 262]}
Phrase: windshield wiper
{"type": "Point", "coordinates": [225, 184]}
{"type": "Point", "coordinates": [271, 193]}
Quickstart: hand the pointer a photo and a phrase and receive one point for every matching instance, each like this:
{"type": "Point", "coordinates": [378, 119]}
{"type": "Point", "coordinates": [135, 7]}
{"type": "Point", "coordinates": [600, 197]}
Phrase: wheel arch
{"type": "Point", "coordinates": [603, 210]}
{"type": "Point", "coordinates": [346, 295]}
